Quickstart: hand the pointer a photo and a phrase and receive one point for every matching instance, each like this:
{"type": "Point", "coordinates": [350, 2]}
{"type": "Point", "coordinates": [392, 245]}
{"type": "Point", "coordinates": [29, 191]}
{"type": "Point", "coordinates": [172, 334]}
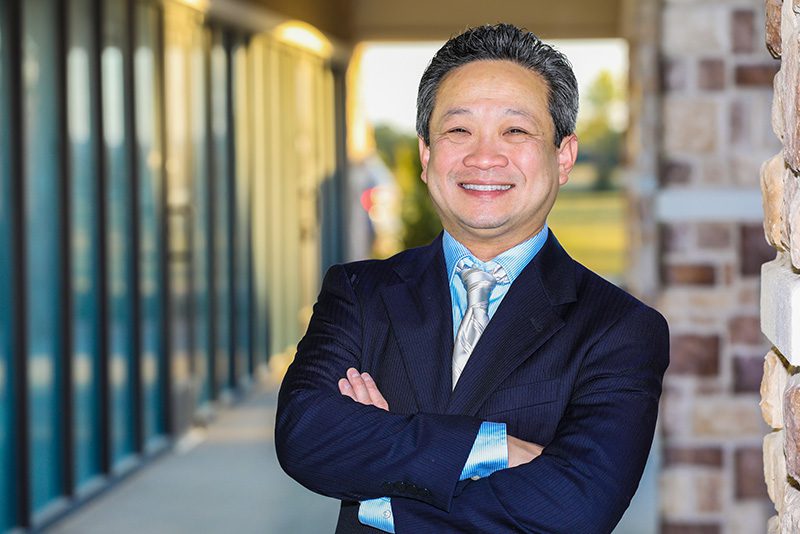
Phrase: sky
{"type": "Point", "coordinates": [390, 73]}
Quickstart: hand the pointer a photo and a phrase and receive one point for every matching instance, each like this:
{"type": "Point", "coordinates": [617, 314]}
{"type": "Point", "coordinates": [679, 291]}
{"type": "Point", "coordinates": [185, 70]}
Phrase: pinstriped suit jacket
{"type": "Point", "coordinates": [568, 361]}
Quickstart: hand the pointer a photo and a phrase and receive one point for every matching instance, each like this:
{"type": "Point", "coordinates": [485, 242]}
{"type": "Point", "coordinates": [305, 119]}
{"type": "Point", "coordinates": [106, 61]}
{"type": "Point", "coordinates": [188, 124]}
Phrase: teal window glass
{"type": "Point", "coordinates": [223, 244]}
{"type": "Point", "coordinates": [242, 197]}
{"type": "Point", "coordinates": [150, 181]}
{"type": "Point", "coordinates": [202, 260]}
{"type": "Point", "coordinates": [118, 227]}
{"type": "Point", "coordinates": [6, 285]}
{"type": "Point", "coordinates": [84, 244]}
{"type": "Point", "coordinates": [43, 252]}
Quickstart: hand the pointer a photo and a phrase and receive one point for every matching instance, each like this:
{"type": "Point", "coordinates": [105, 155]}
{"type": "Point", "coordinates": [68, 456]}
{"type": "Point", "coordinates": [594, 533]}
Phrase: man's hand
{"type": "Point", "coordinates": [362, 388]}
{"type": "Point", "coordinates": [521, 452]}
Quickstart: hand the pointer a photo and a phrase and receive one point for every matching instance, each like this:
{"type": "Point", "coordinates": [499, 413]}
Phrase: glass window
{"type": "Point", "coordinates": [242, 196]}
{"type": "Point", "coordinates": [150, 209]}
{"type": "Point", "coordinates": [6, 285]}
{"type": "Point", "coordinates": [288, 211]}
{"type": "Point", "coordinates": [118, 227]}
{"type": "Point", "coordinates": [277, 253]}
{"type": "Point", "coordinates": [84, 244]}
{"type": "Point", "coordinates": [42, 160]}
{"type": "Point", "coordinates": [180, 21]}
{"type": "Point", "coordinates": [202, 260]}
{"type": "Point", "coordinates": [259, 180]}
{"type": "Point", "coordinates": [221, 178]}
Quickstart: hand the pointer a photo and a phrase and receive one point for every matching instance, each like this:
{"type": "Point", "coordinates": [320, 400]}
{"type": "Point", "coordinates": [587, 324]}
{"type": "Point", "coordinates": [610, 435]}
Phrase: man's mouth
{"type": "Point", "coordinates": [486, 187]}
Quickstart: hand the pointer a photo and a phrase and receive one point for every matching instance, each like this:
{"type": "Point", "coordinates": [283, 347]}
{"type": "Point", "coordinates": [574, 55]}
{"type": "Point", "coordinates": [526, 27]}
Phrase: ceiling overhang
{"type": "Point", "coordinates": [381, 20]}
{"type": "Point", "coordinates": [353, 21]}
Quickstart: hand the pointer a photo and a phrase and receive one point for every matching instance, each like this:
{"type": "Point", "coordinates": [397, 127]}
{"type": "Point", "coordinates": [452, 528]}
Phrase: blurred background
{"type": "Point", "coordinates": [176, 176]}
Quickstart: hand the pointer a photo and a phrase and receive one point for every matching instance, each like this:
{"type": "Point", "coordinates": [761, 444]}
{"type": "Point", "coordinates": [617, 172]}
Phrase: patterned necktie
{"type": "Point", "coordinates": [479, 286]}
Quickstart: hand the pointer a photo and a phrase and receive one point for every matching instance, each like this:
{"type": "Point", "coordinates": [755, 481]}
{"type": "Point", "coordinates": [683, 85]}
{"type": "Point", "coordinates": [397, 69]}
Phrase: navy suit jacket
{"type": "Point", "coordinates": [568, 361]}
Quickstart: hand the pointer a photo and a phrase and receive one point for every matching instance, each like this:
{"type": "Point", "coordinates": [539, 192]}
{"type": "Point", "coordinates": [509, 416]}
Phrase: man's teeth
{"type": "Point", "coordinates": [478, 187]}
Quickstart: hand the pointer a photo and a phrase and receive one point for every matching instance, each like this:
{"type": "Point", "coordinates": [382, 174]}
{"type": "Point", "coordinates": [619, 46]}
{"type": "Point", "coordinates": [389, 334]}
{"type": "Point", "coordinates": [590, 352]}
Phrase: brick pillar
{"type": "Point", "coordinates": [780, 278]}
{"type": "Point", "coordinates": [715, 101]}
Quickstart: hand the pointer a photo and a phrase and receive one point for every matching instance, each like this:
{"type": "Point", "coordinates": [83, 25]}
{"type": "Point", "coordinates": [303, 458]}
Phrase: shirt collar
{"type": "Point", "coordinates": [513, 260]}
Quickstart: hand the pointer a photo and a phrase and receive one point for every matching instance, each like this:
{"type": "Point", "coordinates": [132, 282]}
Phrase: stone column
{"type": "Point", "coordinates": [780, 278]}
{"type": "Point", "coordinates": [715, 100]}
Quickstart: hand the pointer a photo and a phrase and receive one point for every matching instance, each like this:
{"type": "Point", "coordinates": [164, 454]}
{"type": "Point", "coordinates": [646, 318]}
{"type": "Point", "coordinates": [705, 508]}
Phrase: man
{"type": "Point", "coordinates": [427, 384]}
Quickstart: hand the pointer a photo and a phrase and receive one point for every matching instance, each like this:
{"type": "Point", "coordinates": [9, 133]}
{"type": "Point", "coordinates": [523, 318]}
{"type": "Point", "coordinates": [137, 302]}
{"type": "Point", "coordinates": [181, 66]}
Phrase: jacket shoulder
{"type": "Point", "coordinates": [369, 275]}
{"type": "Point", "coordinates": [614, 302]}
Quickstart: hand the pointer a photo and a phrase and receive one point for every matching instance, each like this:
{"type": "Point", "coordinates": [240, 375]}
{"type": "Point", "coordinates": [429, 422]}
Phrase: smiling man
{"type": "Point", "coordinates": [486, 382]}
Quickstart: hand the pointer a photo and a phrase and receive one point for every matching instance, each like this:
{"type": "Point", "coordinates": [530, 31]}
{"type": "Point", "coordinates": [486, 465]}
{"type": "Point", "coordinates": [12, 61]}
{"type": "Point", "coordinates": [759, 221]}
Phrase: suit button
{"type": "Point", "coordinates": [386, 487]}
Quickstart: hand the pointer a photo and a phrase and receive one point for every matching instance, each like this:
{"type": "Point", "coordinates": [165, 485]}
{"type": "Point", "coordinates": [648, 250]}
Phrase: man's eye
{"type": "Point", "coordinates": [457, 131]}
{"type": "Point", "coordinates": [516, 131]}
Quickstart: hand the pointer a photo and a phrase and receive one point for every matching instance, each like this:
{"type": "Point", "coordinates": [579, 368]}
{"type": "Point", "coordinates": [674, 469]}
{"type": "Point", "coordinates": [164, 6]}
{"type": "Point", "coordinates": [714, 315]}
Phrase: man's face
{"type": "Point", "coordinates": [492, 169]}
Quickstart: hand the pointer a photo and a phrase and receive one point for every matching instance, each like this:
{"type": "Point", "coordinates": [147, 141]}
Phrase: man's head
{"type": "Point", "coordinates": [503, 42]}
{"type": "Point", "coordinates": [492, 104]}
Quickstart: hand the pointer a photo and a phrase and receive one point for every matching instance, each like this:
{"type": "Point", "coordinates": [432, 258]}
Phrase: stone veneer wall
{"type": "Point", "coordinates": [780, 278]}
{"type": "Point", "coordinates": [715, 101]}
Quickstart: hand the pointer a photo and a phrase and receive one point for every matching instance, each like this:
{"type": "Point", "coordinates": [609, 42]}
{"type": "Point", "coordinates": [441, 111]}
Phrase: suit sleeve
{"type": "Point", "coordinates": [489, 454]}
{"type": "Point", "coordinates": [343, 449]}
{"type": "Point", "coordinates": [584, 480]}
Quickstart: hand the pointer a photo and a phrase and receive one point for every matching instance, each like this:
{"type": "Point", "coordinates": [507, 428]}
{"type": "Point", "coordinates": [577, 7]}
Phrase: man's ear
{"type": "Point", "coordinates": [424, 156]}
{"type": "Point", "coordinates": [567, 154]}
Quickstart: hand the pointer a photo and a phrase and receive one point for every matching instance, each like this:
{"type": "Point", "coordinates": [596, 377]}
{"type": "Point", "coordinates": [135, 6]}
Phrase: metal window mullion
{"type": "Point", "coordinates": [20, 343]}
{"type": "Point", "coordinates": [65, 305]}
{"type": "Point", "coordinates": [133, 231]}
{"type": "Point", "coordinates": [104, 411]}
{"type": "Point", "coordinates": [211, 214]}
{"type": "Point", "coordinates": [249, 254]}
{"type": "Point", "coordinates": [340, 185]}
{"type": "Point", "coordinates": [165, 282]}
{"type": "Point", "coordinates": [230, 102]}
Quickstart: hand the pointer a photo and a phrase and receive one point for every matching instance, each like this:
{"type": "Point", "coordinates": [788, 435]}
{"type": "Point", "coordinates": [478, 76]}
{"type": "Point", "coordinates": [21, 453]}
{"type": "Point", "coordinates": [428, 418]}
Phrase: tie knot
{"type": "Point", "coordinates": [479, 286]}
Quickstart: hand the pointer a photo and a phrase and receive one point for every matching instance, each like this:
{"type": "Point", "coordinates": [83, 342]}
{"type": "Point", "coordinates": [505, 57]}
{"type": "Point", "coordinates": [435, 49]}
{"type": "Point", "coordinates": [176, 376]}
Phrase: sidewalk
{"type": "Point", "coordinates": [226, 479]}
{"type": "Point", "coordinates": [223, 479]}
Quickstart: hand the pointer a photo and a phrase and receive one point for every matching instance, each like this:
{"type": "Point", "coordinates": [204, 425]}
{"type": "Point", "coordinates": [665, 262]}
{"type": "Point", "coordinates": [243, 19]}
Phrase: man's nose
{"type": "Point", "coordinates": [486, 153]}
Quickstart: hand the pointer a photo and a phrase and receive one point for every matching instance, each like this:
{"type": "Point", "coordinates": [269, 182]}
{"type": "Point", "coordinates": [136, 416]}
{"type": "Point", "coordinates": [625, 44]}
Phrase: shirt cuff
{"type": "Point", "coordinates": [377, 513]}
{"type": "Point", "coordinates": [489, 452]}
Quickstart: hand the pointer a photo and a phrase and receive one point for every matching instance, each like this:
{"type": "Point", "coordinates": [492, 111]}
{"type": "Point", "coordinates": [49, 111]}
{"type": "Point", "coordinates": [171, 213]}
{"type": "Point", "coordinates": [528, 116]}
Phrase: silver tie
{"type": "Point", "coordinates": [479, 286]}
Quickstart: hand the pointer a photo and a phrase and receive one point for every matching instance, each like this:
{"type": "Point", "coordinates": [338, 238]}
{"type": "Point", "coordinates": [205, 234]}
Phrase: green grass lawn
{"type": "Point", "coordinates": [591, 227]}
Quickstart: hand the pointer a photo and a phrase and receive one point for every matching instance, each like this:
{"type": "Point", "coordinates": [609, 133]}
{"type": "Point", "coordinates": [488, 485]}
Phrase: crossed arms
{"type": "Point", "coordinates": [582, 482]}
{"type": "Point", "coordinates": [362, 388]}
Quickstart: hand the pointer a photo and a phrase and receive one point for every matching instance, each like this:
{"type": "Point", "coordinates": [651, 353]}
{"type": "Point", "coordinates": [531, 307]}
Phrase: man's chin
{"type": "Point", "coordinates": [484, 230]}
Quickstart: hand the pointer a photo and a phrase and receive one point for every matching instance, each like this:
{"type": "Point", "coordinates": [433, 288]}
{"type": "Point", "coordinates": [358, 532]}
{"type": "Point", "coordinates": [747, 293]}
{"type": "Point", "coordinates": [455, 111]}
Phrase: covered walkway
{"type": "Point", "coordinates": [224, 478]}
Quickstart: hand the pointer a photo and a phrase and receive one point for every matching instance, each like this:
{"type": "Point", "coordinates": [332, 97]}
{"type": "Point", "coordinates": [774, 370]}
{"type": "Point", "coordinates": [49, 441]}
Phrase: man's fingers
{"type": "Point", "coordinates": [346, 389]}
{"type": "Point", "coordinates": [374, 393]}
{"type": "Point", "coordinates": [362, 388]}
{"type": "Point", "coordinates": [359, 388]}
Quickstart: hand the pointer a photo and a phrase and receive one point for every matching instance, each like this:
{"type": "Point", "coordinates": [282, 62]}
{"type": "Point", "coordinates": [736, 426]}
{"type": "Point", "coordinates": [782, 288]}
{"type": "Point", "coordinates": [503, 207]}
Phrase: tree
{"type": "Point", "coordinates": [599, 130]}
{"type": "Point", "coordinates": [400, 153]}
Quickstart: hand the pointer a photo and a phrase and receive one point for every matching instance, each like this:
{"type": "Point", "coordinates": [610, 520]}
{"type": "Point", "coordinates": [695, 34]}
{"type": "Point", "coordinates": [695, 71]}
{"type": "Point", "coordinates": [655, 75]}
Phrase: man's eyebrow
{"type": "Point", "coordinates": [521, 113]}
{"type": "Point", "coordinates": [509, 111]}
{"type": "Point", "coordinates": [456, 111]}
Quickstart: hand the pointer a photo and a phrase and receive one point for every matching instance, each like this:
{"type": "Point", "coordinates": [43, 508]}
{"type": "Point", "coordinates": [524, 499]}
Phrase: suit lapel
{"type": "Point", "coordinates": [525, 320]}
{"type": "Point", "coordinates": [420, 313]}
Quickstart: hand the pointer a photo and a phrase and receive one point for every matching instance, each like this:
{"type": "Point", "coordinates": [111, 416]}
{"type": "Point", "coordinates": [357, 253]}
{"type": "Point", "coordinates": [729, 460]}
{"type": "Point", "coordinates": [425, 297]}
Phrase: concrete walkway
{"type": "Point", "coordinates": [225, 479]}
